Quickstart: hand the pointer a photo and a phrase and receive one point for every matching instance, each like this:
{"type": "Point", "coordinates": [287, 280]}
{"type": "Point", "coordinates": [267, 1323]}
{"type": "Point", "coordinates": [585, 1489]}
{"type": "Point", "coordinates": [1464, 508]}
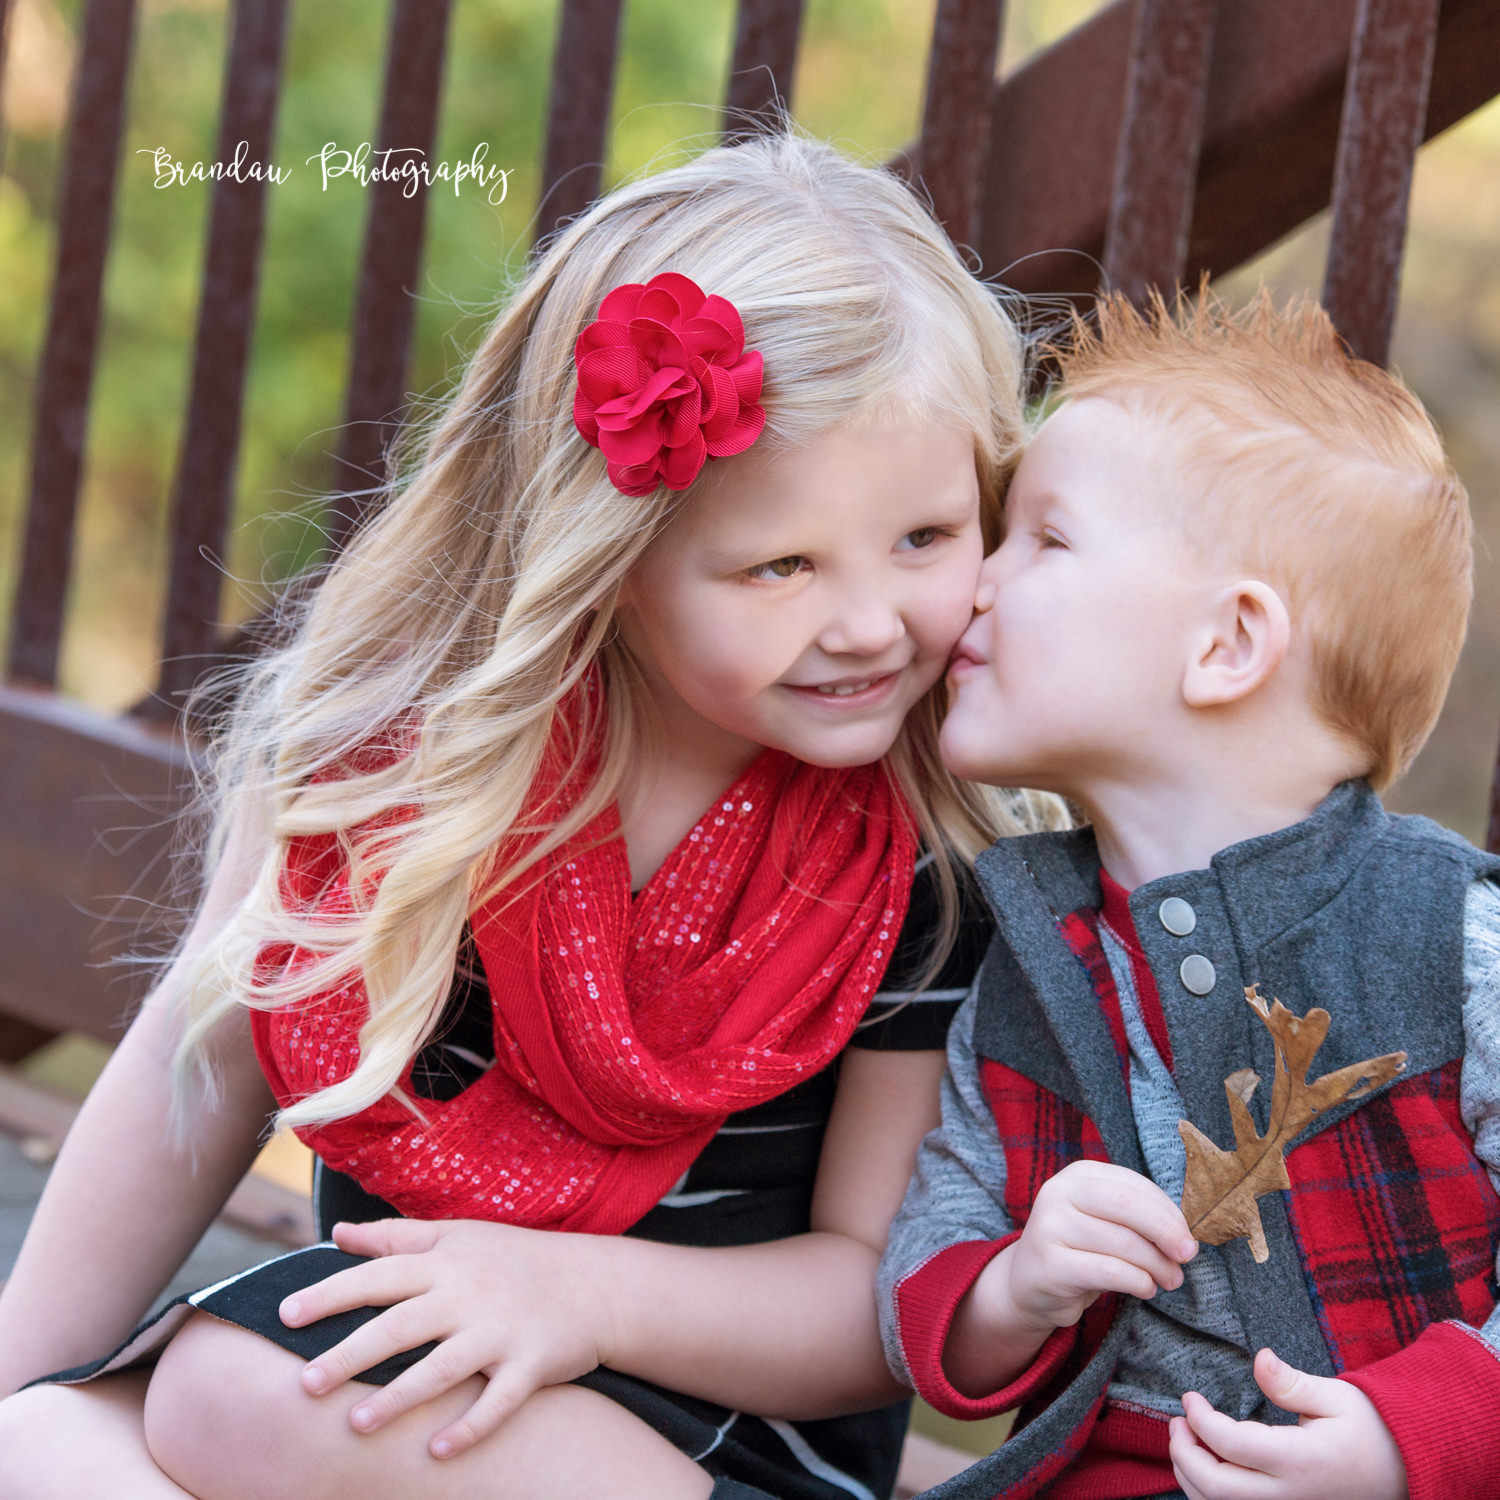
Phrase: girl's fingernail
{"type": "Point", "coordinates": [363, 1416]}
{"type": "Point", "coordinates": [442, 1448]}
{"type": "Point", "coordinates": [314, 1379]}
{"type": "Point", "coordinates": [290, 1310]}
{"type": "Point", "coordinates": [1188, 1249]}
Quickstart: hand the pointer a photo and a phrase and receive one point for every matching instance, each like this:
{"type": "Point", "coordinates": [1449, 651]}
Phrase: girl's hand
{"type": "Point", "coordinates": [1094, 1227]}
{"type": "Point", "coordinates": [1340, 1450]}
{"type": "Point", "coordinates": [519, 1306]}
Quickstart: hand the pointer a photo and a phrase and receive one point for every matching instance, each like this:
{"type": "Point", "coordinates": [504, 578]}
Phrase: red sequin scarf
{"type": "Point", "coordinates": [625, 1031]}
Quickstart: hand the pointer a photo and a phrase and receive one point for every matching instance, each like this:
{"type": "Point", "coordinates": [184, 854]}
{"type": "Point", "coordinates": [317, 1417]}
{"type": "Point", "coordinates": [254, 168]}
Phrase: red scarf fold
{"type": "Point", "coordinates": [625, 1031]}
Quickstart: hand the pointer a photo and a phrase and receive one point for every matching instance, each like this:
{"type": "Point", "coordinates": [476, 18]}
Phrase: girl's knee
{"type": "Point", "coordinates": [52, 1438]}
{"type": "Point", "coordinates": [217, 1412]}
{"type": "Point", "coordinates": [27, 1435]}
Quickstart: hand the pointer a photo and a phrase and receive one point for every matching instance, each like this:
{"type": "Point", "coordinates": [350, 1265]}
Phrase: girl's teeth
{"type": "Point", "coordinates": [845, 689]}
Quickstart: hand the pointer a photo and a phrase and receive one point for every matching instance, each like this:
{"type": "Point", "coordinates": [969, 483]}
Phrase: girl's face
{"type": "Point", "coordinates": [806, 601]}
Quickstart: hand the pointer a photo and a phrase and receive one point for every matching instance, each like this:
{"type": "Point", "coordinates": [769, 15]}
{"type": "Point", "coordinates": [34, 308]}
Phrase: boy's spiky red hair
{"type": "Point", "coordinates": [1318, 471]}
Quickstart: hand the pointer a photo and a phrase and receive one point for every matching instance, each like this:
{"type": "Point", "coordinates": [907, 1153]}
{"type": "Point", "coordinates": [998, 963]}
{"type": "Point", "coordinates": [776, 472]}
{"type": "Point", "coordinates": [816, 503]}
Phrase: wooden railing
{"type": "Point", "coordinates": [1162, 139]}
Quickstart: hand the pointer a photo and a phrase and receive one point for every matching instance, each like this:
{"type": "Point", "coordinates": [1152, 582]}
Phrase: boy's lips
{"type": "Point", "coordinates": [964, 656]}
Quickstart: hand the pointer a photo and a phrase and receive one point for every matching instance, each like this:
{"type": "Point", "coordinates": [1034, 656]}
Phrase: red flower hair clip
{"type": "Point", "coordinates": [665, 382]}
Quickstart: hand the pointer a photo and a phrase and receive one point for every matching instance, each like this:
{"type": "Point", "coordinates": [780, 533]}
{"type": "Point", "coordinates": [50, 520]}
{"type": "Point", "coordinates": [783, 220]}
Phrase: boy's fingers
{"type": "Point", "coordinates": [1296, 1390]}
{"type": "Point", "coordinates": [1125, 1197]}
{"type": "Point", "coordinates": [406, 1326]}
{"type": "Point", "coordinates": [1106, 1273]}
{"type": "Point", "coordinates": [1248, 1445]}
{"type": "Point", "coordinates": [1100, 1237]}
{"type": "Point", "coordinates": [376, 1283]}
{"type": "Point", "coordinates": [506, 1392]}
{"type": "Point", "coordinates": [1204, 1476]}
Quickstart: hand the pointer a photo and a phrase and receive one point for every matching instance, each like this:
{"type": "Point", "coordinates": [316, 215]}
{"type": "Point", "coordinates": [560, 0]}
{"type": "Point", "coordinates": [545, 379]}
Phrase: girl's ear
{"type": "Point", "coordinates": [1241, 643]}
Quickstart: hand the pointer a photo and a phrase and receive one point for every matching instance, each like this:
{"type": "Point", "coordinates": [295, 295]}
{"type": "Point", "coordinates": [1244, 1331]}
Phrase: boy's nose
{"type": "Point", "coordinates": [988, 587]}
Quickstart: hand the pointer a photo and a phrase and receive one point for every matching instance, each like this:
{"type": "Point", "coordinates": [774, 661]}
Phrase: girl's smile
{"type": "Point", "coordinates": [806, 601]}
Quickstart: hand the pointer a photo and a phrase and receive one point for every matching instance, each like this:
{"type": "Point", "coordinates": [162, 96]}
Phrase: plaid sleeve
{"type": "Point", "coordinates": [1440, 1395]}
{"type": "Point", "coordinates": [1479, 1088]}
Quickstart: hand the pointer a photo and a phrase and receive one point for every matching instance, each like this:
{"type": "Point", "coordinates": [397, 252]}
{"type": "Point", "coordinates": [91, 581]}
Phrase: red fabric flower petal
{"type": "Point", "coordinates": [680, 465]}
{"type": "Point", "coordinates": [664, 383]}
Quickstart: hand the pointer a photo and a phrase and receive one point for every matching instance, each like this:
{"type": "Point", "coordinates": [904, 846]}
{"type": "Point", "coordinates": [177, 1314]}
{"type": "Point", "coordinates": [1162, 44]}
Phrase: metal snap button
{"type": "Point", "coordinates": [1197, 974]}
{"type": "Point", "coordinates": [1177, 916]}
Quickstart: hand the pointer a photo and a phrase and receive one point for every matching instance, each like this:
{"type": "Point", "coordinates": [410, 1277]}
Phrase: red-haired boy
{"type": "Point", "coordinates": [1232, 590]}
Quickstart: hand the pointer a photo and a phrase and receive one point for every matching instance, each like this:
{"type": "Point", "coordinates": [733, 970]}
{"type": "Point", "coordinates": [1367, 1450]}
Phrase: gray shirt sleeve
{"type": "Point", "coordinates": [1479, 1089]}
{"type": "Point", "coordinates": [958, 1190]}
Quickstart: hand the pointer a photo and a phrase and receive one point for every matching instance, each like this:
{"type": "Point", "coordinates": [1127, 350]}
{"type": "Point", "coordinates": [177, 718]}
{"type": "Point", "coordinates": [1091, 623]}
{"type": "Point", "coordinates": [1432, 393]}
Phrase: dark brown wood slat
{"type": "Point", "coordinates": [760, 73]}
{"type": "Point", "coordinates": [85, 822]}
{"type": "Point", "coordinates": [65, 376]}
{"type": "Point", "coordinates": [203, 494]}
{"type": "Point", "coordinates": [5, 10]}
{"type": "Point", "coordinates": [583, 91]}
{"type": "Point", "coordinates": [1385, 110]}
{"type": "Point", "coordinates": [1492, 841]}
{"type": "Point", "coordinates": [1156, 165]}
{"type": "Point", "coordinates": [390, 263]}
{"type": "Point", "coordinates": [1275, 92]}
{"type": "Point", "coordinates": [955, 119]}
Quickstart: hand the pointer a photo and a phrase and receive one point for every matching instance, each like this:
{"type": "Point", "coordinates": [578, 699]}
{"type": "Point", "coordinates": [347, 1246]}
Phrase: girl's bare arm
{"type": "Point", "coordinates": [786, 1328]}
{"type": "Point", "coordinates": [789, 1328]}
{"type": "Point", "coordinates": [124, 1205]}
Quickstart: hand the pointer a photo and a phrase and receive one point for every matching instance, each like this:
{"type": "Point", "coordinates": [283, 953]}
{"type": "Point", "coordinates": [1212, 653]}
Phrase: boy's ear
{"type": "Point", "coordinates": [1239, 646]}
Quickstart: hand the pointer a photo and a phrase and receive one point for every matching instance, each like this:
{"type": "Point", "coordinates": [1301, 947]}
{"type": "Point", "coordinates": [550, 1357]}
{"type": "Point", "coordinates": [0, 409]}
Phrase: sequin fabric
{"type": "Point", "coordinates": [626, 1031]}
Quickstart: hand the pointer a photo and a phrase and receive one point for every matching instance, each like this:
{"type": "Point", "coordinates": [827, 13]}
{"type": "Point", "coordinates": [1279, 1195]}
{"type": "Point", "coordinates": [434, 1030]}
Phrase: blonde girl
{"type": "Point", "coordinates": [557, 861]}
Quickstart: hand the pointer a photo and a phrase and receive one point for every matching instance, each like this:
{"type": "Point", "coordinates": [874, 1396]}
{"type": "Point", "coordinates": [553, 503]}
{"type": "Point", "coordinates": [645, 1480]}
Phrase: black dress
{"type": "Point", "coordinates": [753, 1182]}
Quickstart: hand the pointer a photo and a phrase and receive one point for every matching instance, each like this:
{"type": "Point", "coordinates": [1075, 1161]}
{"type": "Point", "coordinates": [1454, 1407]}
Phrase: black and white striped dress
{"type": "Point", "coordinates": [753, 1182]}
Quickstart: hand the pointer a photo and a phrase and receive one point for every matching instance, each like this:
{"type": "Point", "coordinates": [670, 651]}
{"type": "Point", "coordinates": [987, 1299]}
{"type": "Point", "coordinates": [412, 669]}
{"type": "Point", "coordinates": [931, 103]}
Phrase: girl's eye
{"type": "Point", "coordinates": [782, 567]}
{"type": "Point", "coordinates": [925, 536]}
{"type": "Point", "coordinates": [1049, 538]}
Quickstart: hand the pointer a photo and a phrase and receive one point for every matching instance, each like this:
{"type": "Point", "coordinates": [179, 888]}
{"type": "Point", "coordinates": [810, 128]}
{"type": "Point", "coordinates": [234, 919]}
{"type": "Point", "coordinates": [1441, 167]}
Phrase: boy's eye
{"type": "Point", "coordinates": [781, 567]}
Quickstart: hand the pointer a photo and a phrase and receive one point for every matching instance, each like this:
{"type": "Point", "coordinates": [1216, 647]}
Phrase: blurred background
{"type": "Point", "coordinates": [859, 82]}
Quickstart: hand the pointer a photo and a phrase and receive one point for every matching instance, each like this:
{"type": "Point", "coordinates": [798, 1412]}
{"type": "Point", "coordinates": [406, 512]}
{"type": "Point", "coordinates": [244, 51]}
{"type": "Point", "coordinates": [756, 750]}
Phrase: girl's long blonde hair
{"type": "Point", "coordinates": [485, 588]}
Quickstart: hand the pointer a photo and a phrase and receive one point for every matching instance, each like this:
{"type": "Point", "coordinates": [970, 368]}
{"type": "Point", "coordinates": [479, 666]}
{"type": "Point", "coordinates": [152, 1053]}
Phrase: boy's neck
{"type": "Point", "coordinates": [1147, 829]}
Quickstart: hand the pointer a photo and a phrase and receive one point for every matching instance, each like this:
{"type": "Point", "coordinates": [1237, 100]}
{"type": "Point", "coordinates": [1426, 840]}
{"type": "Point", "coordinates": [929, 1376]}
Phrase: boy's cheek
{"type": "Point", "coordinates": [967, 741]}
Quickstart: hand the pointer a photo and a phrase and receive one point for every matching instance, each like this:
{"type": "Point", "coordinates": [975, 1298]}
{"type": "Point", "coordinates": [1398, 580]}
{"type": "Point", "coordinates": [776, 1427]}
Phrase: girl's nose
{"type": "Point", "coordinates": [865, 626]}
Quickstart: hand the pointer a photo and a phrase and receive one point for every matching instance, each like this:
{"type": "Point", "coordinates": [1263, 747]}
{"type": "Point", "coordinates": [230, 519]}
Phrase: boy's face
{"type": "Point", "coordinates": [1070, 675]}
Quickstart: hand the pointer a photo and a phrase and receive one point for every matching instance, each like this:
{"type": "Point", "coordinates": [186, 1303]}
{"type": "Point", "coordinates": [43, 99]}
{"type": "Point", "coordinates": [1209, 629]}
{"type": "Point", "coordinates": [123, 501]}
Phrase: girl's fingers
{"type": "Point", "coordinates": [448, 1365]}
{"type": "Point", "coordinates": [408, 1325]}
{"type": "Point", "coordinates": [508, 1390]}
{"type": "Point", "coordinates": [376, 1283]}
{"type": "Point", "coordinates": [387, 1236]}
{"type": "Point", "coordinates": [1249, 1445]}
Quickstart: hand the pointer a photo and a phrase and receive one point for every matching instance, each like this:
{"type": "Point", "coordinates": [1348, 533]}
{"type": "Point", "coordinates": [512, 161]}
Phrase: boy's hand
{"type": "Point", "coordinates": [1340, 1450]}
{"type": "Point", "coordinates": [1095, 1227]}
{"type": "Point", "coordinates": [518, 1306]}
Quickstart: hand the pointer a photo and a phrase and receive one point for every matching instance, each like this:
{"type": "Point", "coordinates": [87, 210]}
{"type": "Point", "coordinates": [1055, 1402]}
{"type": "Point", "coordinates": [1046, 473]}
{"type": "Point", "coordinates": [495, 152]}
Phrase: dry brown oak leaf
{"type": "Point", "coordinates": [1220, 1189]}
